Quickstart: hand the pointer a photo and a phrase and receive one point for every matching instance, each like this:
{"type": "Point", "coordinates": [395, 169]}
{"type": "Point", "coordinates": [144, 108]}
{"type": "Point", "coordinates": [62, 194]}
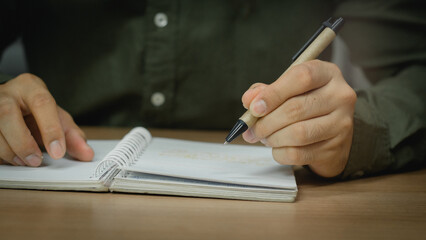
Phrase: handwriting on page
{"type": "Point", "coordinates": [214, 156]}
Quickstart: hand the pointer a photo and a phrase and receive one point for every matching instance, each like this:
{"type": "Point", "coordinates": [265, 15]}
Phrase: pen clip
{"type": "Point", "coordinates": [333, 25]}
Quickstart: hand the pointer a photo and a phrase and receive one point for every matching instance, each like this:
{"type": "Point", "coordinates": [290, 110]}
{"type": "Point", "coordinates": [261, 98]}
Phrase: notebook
{"type": "Point", "coordinates": [142, 164]}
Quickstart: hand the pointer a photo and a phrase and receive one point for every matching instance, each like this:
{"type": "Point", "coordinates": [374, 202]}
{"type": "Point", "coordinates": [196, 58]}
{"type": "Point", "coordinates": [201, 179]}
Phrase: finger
{"type": "Point", "coordinates": [311, 131]}
{"type": "Point", "coordinates": [16, 133]}
{"type": "Point", "coordinates": [249, 136]}
{"type": "Point", "coordinates": [252, 93]}
{"type": "Point", "coordinates": [6, 152]}
{"type": "Point", "coordinates": [7, 155]}
{"type": "Point", "coordinates": [302, 107]}
{"type": "Point", "coordinates": [306, 155]}
{"type": "Point", "coordinates": [324, 158]}
{"type": "Point", "coordinates": [77, 146]}
{"type": "Point", "coordinates": [297, 80]}
{"type": "Point", "coordinates": [43, 107]}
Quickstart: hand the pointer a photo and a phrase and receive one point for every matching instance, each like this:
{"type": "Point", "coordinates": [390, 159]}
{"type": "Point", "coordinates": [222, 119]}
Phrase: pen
{"type": "Point", "coordinates": [311, 50]}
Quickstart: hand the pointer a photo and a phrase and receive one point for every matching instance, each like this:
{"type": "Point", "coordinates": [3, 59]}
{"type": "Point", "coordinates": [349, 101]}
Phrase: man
{"type": "Point", "coordinates": [183, 63]}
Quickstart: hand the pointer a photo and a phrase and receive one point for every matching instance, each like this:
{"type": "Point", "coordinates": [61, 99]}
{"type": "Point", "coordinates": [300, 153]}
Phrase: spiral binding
{"type": "Point", "coordinates": [124, 154]}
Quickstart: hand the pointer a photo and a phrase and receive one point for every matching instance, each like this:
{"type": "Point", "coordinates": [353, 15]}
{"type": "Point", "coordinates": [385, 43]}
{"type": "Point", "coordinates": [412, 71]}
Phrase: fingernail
{"type": "Point", "coordinates": [249, 136]}
{"type": "Point", "coordinates": [56, 149]}
{"type": "Point", "coordinates": [18, 161]}
{"type": "Point", "coordinates": [33, 160]}
{"type": "Point", "coordinates": [258, 108]}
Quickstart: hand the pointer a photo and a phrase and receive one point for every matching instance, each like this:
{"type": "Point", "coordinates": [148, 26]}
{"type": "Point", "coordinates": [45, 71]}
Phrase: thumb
{"type": "Point", "coordinates": [75, 138]}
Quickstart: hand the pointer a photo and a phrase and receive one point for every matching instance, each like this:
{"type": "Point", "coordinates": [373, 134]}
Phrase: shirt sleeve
{"type": "Point", "coordinates": [387, 39]}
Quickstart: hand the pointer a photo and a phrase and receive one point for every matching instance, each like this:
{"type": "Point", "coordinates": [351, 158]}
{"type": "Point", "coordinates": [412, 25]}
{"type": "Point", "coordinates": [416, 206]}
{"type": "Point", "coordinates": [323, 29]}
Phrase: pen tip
{"type": "Point", "coordinates": [225, 143]}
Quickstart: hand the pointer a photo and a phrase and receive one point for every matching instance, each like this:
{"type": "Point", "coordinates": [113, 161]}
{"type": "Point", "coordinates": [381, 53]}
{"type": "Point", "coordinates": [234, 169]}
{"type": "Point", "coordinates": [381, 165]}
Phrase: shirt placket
{"type": "Point", "coordinates": [160, 61]}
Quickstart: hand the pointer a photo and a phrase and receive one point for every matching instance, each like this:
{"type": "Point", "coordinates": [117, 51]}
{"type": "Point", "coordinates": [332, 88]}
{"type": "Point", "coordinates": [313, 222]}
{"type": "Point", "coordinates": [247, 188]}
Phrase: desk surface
{"type": "Point", "coordinates": [385, 207]}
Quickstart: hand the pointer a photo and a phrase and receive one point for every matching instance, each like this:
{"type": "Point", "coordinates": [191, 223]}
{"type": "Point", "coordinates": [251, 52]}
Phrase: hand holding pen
{"type": "Point", "coordinates": [306, 115]}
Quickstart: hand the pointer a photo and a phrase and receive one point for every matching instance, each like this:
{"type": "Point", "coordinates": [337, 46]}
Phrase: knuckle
{"type": "Point", "coordinates": [52, 130]}
{"type": "Point", "coordinates": [304, 75]}
{"type": "Point", "coordinates": [7, 105]}
{"type": "Point", "coordinates": [272, 95]}
{"type": "Point", "coordinates": [41, 99]}
{"type": "Point", "coordinates": [300, 133]}
{"type": "Point", "coordinates": [24, 79]}
{"type": "Point", "coordinates": [334, 68]}
{"type": "Point", "coordinates": [28, 78]}
{"type": "Point", "coordinates": [315, 132]}
{"type": "Point", "coordinates": [349, 97]}
{"type": "Point", "coordinates": [316, 63]}
{"type": "Point", "coordinates": [294, 110]}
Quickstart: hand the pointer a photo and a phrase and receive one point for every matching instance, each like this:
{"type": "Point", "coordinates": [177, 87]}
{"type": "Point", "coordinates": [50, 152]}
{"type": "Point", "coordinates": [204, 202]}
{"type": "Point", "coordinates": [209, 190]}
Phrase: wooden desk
{"type": "Point", "coordinates": [384, 207]}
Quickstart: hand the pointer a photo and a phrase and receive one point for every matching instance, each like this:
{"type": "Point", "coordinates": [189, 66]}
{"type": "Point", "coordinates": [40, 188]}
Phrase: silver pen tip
{"type": "Point", "coordinates": [225, 143]}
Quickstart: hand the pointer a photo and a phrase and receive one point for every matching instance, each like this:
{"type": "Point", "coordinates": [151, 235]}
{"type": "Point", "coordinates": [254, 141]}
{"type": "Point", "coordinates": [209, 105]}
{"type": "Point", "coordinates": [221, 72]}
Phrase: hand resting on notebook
{"type": "Point", "coordinates": [30, 119]}
{"type": "Point", "coordinates": [307, 117]}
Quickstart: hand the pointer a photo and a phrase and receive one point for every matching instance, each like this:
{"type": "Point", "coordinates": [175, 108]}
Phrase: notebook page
{"type": "Point", "coordinates": [237, 164]}
{"type": "Point", "coordinates": [62, 170]}
{"type": "Point", "coordinates": [146, 177]}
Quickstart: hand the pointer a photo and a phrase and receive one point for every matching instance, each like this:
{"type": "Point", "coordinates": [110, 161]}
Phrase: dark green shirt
{"type": "Point", "coordinates": [187, 63]}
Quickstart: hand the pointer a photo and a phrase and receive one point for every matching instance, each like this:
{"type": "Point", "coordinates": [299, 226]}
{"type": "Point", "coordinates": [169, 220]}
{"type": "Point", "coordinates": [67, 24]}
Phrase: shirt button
{"type": "Point", "coordinates": [160, 20]}
{"type": "Point", "coordinates": [158, 99]}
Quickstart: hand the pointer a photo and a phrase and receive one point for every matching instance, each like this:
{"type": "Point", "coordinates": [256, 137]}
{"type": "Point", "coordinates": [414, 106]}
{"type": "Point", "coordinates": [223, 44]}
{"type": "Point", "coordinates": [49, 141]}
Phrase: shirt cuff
{"type": "Point", "coordinates": [370, 151]}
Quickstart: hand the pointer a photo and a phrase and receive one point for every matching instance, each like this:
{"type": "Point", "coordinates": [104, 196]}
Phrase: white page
{"type": "Point", "coordinates": [137, 176]}
{"type": "Point", "coordinates": [62, 170]}
{"type": "Point", "coordinates": [247, 165]}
